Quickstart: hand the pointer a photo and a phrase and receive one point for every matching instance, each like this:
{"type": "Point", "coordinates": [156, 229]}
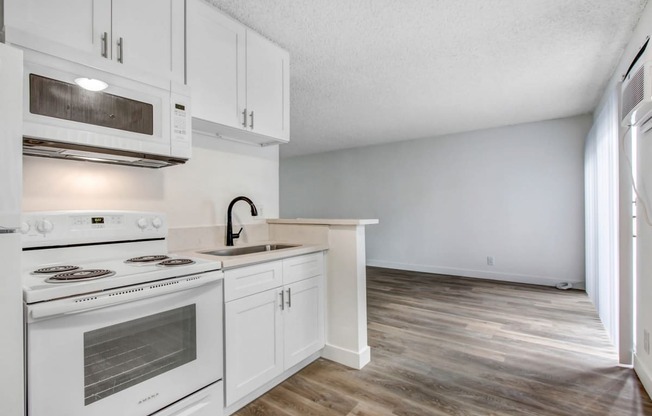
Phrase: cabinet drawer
{"type": "Point", "coordinates": [248, 280]}
{"type": "Point", "coordinates": [302, 267]}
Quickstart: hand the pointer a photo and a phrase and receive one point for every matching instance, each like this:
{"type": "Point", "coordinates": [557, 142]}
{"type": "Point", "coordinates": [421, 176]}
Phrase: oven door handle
{"type": "Point", "coordinates": [119, 296]}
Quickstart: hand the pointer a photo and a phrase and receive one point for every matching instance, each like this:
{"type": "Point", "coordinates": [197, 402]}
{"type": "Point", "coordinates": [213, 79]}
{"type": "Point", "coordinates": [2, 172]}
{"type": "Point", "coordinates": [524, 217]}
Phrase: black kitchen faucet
{"type": "Point", "coordinates": [230, 235]}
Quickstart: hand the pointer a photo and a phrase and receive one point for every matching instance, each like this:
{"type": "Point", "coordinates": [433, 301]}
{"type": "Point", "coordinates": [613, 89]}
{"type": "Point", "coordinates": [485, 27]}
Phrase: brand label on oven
{"type": "Point", "coordinates": [148, 398]}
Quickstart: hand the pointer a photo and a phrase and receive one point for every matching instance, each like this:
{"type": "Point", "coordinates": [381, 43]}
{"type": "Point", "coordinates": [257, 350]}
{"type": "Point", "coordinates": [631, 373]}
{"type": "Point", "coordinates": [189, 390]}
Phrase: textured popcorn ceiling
{"type": "Point", "coordinates": [374, 71]}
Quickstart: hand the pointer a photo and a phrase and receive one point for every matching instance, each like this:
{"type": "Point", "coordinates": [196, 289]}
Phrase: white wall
{"type": "Point", "coordinates": [194, 194]}
{"type": "Point", "coordinates": [445, 204]}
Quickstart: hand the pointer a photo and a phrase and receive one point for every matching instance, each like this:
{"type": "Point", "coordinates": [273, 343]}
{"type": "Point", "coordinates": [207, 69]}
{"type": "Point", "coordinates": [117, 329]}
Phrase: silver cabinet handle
{"type": "Point", "coordinates": [289, 297]}
{"type": "Point", "coordinates": [282, 299]}
{"type": "Point", "coordinates": [244, 118]}
{"type": "Point", "coordinates": [252, 120]}
{"type": "Point", "coordinates": [105, 45]}
{"type": "Point", "coordinates": [120, 51]}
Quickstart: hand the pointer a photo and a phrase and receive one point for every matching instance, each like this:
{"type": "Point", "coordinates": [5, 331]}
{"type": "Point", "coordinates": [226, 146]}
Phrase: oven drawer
{"type": "Point", "coordinates": [131, 358]}
{"type": "Point", "coordinates": [206, 402]}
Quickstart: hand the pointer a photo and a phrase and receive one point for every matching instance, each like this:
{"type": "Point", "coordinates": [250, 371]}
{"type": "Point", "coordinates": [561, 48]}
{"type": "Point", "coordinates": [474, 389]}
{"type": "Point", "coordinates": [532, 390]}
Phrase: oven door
{"type": "Point", "coordinates": [129, 351]}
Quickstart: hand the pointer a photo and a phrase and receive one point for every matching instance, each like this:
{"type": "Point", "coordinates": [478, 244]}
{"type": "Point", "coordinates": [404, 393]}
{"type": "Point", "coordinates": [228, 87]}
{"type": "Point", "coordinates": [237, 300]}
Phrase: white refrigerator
{"type": "Point", "coordinates": [12, 402]}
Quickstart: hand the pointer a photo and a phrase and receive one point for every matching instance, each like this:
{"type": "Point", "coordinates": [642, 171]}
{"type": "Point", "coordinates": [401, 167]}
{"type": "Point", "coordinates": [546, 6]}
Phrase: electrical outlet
{"type": "Point", "coordinates": [261, 211]}
{"type": "Point", "coordinates": [646, 341]}
{"type": "Point", "coordinates": [490, 260]}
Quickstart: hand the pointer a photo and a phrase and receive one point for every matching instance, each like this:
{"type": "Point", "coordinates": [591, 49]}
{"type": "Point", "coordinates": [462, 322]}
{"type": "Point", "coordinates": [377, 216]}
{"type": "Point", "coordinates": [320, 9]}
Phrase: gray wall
{"type": "Point", "coordinates": [514, 193]}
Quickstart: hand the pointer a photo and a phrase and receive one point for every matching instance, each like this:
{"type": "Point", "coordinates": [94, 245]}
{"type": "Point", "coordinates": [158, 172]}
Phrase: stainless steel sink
{"type": "Point", "coordinates": [238, 251]}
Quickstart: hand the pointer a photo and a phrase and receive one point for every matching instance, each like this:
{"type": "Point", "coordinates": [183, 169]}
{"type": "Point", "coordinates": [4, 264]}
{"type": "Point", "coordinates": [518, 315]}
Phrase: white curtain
{"type": "Point", "coordinates": [601, 205]}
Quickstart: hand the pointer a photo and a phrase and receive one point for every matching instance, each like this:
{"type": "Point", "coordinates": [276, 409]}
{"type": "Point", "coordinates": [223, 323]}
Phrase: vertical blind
{"type": "Point", "coordinates": [601, 206]}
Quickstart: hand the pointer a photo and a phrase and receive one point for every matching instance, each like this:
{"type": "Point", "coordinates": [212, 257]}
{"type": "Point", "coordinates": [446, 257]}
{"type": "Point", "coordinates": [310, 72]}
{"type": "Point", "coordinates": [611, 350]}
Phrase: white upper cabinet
{"type": "Point", "coordinates": [58, 26]}
{"type": "Point", "coordinates": [215, 52]}
{"type": "Point", "coordinates": [148, 35]}
{"type": "Point", "coordinates": [142, 39]}
{"type": "Point", "coordinates": [240, 81]}
{"type": "Point", "coordinates": [267, 87]}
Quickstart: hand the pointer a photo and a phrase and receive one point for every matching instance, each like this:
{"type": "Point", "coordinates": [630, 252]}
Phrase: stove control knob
{"type": "Point", "coordinates": [25, 227]}
{"type": "Point", "coordinates": [157, 222]}
{"type": "Point", "coordinates": [44, 226]}
{"type": "Point", "coordinates": [142, 223]}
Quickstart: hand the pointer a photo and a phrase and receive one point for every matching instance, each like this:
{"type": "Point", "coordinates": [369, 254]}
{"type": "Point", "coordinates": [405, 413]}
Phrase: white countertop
{"type": "Point", "coordinates": [229, 262]}
{"type": "Point", "coordinates": [322, 221]}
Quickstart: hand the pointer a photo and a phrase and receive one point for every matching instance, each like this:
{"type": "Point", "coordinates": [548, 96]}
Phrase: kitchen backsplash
{"type": "Point", "coordinates": [192, 238]}
{"type": "Point", "coordinates": [195, 194]}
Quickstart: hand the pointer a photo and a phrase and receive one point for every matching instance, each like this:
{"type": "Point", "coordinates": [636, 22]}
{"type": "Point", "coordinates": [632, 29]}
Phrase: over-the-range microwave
{"type": "Point", "coordinates": [129, 122]}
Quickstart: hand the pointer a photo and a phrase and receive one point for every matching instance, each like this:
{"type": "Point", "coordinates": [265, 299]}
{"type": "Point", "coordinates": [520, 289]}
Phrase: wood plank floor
{"type": "Point", "coordinates": [444, 345]}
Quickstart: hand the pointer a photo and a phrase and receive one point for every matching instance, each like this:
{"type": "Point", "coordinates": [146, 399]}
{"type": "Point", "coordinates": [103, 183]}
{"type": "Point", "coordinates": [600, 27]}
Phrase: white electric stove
{"type": "Point", "coordinates": [114, 323]}
{"type": "Point", "coordinates": [67, 253]}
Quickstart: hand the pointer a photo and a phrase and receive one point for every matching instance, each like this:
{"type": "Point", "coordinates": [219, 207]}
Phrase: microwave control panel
{"type": "Point", "coordinates": [181, 145]}
{"type": "Point", "coordinates": [179, 119]}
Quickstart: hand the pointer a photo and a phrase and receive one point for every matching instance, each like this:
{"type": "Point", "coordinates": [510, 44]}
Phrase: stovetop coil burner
{"type": "Point", "coordinates": [147, 259]}
{"type": "Point", "coordinates": [176, 262]}
{"type": "Point", "coordinates": [55, 269]}
{"type": "Point", "coordinates": [80, 275]}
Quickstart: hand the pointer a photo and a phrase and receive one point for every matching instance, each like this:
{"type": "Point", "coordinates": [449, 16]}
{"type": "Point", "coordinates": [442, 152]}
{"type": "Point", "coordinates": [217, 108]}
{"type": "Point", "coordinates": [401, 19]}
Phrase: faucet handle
{"type": "Point", "coordinates": [237, 235]}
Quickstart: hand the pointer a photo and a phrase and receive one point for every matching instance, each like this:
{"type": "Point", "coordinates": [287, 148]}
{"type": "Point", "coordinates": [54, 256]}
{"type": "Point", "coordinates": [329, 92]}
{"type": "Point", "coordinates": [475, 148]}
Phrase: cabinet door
{"type": "Point", "coordinates": [268, 92]}
{"type": "Point", "coordinates": [303, 320]}
{"type": "Point", "coordinates": [254, 343]}
{"type": "Point", "coordinates": [215, 48]}
{"type": "Point", "coordinates": [151, 35]}
{"type": "Point", "coordinates": [66, 28]}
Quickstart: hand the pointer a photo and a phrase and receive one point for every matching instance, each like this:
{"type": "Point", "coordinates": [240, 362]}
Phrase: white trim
{"type": "Point", "coordinates": [481, 274]}
{"type": "Point", "coordinates": [346, 357]}
{"type": "Point", "coordinates": [643, 375]}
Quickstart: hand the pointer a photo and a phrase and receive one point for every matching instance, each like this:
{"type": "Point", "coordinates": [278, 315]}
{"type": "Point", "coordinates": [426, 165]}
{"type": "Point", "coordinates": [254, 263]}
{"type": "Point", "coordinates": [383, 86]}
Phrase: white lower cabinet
{"type": "Point", "coordinates": [269, 332]}
{"type": "Point", "coordinates": [303, 321]}
{"type": "Point", "coordinates": [254, 343]}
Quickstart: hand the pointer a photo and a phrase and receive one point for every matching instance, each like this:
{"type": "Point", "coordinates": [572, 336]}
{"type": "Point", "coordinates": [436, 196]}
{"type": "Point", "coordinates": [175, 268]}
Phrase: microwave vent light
{"type": "Point", "coordinates": [91, 84]}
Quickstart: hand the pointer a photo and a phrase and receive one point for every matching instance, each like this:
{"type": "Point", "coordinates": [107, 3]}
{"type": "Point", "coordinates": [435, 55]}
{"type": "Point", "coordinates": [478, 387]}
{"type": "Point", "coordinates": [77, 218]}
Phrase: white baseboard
{"type": "Point", "coordinates": [643, 375]}
{"type": "Point", "coordinates": [349, 358]}
{"type": "Point", "coordinates": [480, 274]}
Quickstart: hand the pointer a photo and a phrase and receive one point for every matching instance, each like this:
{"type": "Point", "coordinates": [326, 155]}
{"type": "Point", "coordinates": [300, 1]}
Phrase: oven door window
{"type": "Point", "coordinates": [120, 356]}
